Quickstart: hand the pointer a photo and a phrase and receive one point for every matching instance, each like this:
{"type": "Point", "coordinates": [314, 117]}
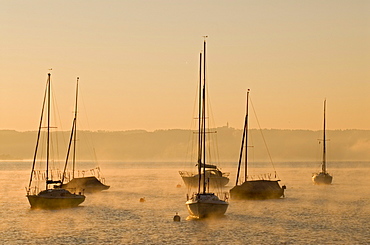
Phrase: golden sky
{"type": "Point", "coordinates": [138, 61]}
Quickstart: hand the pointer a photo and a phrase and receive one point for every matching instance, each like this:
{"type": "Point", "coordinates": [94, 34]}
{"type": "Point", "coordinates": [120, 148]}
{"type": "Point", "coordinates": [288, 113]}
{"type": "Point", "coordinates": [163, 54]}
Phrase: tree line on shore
{"type": "Point", "coordinates": [173, 144]}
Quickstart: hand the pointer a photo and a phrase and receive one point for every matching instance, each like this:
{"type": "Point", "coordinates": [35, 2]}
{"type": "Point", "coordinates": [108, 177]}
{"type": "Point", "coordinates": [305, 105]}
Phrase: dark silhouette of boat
{"type": "Point", "coordinates": [253, 189]}
{"type": "Point", "coordinates": [54, 196]}
{"type": "Point", "coordinates": [257, 189]}
{"type": "Point", "coordinates": [88, 184]}
{"type": "Point", "coordinates": [323, 178]}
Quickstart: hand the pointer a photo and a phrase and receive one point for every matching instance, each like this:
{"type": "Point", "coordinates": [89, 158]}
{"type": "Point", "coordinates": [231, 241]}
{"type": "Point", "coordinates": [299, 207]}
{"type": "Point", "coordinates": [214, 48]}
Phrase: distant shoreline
{"type": "Point", "coordinates": [175, 145]}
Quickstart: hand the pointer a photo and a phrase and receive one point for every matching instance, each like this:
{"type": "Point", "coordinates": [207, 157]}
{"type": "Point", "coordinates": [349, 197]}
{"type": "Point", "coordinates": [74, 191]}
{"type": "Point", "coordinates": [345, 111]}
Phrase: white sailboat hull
{"type": "Point", "coordinates": [322, 178]}
{"type": "Point", "coordinates": [215, 178]}
{"type": "Point", "coordinates": [206, 205]}
{"type": "Point", "coordinates": [212, 181]}
{"type": "Point", "coordinates": [55, 199]}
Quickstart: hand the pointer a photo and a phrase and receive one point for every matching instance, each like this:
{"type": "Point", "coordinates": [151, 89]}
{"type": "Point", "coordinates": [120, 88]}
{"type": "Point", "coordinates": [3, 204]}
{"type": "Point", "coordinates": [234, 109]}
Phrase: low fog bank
{"type": "Point", "coordinates": [174, 144]}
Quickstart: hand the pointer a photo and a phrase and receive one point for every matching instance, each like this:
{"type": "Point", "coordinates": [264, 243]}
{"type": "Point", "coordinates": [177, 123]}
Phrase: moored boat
{"type": "Point", "coordinates": [87, 184]}
{"type": "Point", "coordinates": [215, 178]}
{"type": "Point", "coordinates": [323, 178]}
{"type": "Point", "coordinates": [56, 198]}
{"type": "Point", "coordinates": [53, 197]}
{"type": "Point", "coordinates": [253, 189]}
{"type": "Point", "coordinates": [204, 203]}
{"type": "Point", "coordinates": [257, 189]}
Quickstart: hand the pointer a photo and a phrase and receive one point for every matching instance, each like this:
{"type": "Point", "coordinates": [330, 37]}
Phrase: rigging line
{"type": "Point", "coordinates": [69, 149]}
{"type": "Point", "coordinates": [38, 134]}
{"type": "Point", "coordinates": [89, 142]}
{"type": "Point", "coordinates": [318, 156]}
{"type": "Point", "coordinates": [212, 124]}
{"type": "Point", "coordinates": [217, 152]}
{"type": "Point", "coordinates": [191, 138]}
{"type": "Point", "coordinates": [55, 133]}
{"type": "Point", "coordinates": [251, 153]}
{"type": "Point", "coordinates": [41, 151]}
{"type": "Point", "coordinates": [263, 137]}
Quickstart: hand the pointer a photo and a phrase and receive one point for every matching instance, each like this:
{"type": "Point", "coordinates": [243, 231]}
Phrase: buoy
{"type": "Point", "coordinates": [178, 186]}
{"type": "Point", "coordinates": [177, 218]}
{"type": "Point", "coordinates": [142, 199]}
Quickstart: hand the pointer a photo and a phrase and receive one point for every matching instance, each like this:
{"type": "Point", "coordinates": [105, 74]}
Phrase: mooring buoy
{"type": "Point", "coordinates": [177, 217]}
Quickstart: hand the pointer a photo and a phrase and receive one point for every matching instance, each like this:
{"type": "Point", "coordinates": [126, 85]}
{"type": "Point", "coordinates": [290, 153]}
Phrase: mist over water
{"type": "Point", "coordinates": [334, 214]}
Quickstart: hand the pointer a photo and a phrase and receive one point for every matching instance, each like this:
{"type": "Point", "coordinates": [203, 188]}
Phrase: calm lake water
{"type": "Point", "coordinates": [309, 214]}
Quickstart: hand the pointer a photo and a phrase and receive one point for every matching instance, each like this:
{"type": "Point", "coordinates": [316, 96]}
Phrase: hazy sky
{"type": "Point", "coordinates": [138, 61]}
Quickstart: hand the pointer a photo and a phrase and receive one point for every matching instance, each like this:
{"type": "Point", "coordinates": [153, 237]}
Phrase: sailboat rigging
{"type": "Point", "coordinates": [253, 189]}
{"type": "Point", "coordinates": [54, 196]}
{"type": "Point", "coordinates": [86, 184]}
{"type": "Point", "coordinates": [323, 177]}
{"type": "Point", "coordinates": [213, 175]}
{"type": "Point", "coordinates": [203, 204]}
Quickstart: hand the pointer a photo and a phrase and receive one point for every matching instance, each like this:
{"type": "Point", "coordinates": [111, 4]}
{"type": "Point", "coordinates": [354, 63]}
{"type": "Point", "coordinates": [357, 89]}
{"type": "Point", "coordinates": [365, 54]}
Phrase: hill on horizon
{"type": "Point", "coordinates": [173, 144]}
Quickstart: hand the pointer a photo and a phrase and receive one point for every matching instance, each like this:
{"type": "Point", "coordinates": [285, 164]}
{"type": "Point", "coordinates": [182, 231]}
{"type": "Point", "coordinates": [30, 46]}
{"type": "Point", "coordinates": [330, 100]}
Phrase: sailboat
{"type": "Point", "coordinates": [253, 189]}
{"type": "Point", "coordinates": [203, 203]}
{"type": "Point", "coordinates": [214, 176]}
{"type": "Point", "coordinates": [88, 184]}
{"type": "Point", "coordinates": [53, 196]}
{"type": "Point", "coordinates": [323, 178]}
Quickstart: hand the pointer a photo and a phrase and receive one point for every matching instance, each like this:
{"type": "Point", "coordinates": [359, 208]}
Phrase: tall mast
{"type": "Point", "coordinates": [199, 123]}
{"type": "Point", "coordinates": [246, 139]}
{"type": "Point", "coordinates": [48, 134]}
{"type": "Point", "coordinates": [204, 115]}
{"type": "Point", "coordinates": [324, 143]}
{"type": "Point", "coordinates": [39, 132]}
{"type": "Point", "coordinates": [73, 138]}
{"type": "Point", "coordinates": [75, 133]}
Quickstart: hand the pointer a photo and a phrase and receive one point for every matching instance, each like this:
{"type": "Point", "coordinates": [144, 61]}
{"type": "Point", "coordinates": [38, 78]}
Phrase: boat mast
{"type": "Point", "coordinates": [324, 143]}
{"type": "Point", "coordinates": [48, 135]}
{"type": "Point", "coordinates": [75, 133]}
{"type": "Point", "coordinates": [72, 138]}
{"type": "Point", "coordinates": [199, 124]}
{"type": "Point", "coordinates": [39, 132]}
{"type": "Point", "coordinates": [204, 115]}
{"type": "Point", "coordinates": [244, 139]}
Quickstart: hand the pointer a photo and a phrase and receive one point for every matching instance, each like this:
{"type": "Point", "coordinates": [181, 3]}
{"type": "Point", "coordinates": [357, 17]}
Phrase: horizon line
{"type": "Point", "coordinates": [164, 129]}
